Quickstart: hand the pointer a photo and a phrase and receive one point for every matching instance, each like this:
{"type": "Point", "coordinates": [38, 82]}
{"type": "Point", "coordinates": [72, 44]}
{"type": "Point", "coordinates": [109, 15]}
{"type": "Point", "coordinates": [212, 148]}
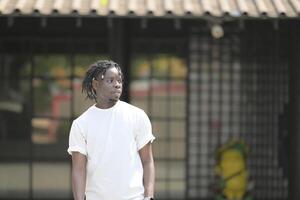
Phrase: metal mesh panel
{"type": "Point", "coordinates": [158, 86]}
{"type": "Point", "coordinates": [238, 89]}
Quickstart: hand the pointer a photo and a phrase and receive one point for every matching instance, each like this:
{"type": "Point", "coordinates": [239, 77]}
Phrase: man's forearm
{"type": "Point", "coordinates": [149, 178]}
{"type": "Point", "coordinates": [78, 184]}
{"type": "Point", "coordinates": [78, 175]}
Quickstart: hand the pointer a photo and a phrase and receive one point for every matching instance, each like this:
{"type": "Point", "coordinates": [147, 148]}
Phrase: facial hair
{"type": "Point", "coordinates": [112, 100]}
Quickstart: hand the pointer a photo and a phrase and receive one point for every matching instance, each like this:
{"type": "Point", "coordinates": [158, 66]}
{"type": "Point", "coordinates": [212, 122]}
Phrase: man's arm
{"type": "Point", "coordinates": [149, 170]}
{"type": "Point", "coordinates": [78, 175]}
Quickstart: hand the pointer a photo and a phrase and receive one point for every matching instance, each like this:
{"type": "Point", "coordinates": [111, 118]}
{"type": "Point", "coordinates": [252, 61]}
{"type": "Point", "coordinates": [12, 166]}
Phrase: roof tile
{"type": "Point", "coordinates": [156, 8]}
{"type": "Point", "coordinates": [296, 5]}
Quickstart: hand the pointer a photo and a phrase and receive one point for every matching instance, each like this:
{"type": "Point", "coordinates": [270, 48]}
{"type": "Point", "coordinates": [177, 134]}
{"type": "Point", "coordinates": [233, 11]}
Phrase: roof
{"type": "Point", "coordinates": [153, 8]}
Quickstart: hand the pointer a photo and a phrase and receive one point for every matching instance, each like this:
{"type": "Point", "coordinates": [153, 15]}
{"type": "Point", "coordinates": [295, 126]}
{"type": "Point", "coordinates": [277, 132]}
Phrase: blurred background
{"type": "Point", "coordinates": [207, 72]}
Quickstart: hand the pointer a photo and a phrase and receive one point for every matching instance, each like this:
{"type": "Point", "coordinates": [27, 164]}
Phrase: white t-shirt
{"type": "Point", "coordinates": [110, 139]}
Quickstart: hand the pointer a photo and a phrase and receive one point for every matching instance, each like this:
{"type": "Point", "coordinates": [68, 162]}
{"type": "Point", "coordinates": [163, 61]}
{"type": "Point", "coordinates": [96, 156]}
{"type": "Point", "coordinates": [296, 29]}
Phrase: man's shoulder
{"type": "Point", "coordinates": [130, 107]}
{"type": "Point", "coordinates": [83, 117]}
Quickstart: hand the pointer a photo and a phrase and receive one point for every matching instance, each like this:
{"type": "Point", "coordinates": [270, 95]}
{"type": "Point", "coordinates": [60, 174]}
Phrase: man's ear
{"type": "Point", "coordinates": [95, 84]}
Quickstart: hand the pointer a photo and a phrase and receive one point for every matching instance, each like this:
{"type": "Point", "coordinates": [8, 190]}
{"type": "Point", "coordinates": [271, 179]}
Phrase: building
{"type": "Point", "coordinates": [205, 71]}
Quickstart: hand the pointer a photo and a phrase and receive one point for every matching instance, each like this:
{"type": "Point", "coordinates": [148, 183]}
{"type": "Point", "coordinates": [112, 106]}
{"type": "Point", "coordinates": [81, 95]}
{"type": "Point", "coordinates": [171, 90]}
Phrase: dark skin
{"type": "Point", "coordinates": [108, 90]}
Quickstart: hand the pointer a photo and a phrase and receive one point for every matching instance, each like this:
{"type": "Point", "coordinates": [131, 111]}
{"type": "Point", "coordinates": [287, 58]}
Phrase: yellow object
{"type": "Point", "coordinates": [104, 2]}
{"type": "Point", "coordinates": [231, 168]}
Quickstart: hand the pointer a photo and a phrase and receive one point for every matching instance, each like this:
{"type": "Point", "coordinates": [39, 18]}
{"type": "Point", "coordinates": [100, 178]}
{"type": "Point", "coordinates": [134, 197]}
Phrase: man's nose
{"type": "Point", "coordinates": [118, 84]}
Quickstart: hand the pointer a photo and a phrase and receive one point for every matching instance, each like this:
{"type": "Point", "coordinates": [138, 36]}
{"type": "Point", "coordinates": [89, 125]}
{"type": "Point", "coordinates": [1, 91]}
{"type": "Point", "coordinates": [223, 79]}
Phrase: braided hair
{"type": "Point", "coordinates": [95, 70]}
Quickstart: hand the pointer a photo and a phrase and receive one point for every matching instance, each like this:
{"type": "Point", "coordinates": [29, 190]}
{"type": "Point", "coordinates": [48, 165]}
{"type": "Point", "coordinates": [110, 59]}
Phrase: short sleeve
{"type": "Point", "coordinates": [77, 141]}
{"type": "Point", "coordinates": [143, 133]}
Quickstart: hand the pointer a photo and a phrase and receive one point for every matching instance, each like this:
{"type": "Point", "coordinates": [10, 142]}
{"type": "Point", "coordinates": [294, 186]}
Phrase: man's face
{"type": "Point", "coordinates": [108, 88]}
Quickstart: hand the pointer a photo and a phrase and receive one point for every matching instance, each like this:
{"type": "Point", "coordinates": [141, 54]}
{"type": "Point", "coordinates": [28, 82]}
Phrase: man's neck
{"type": "Point", "coordinates": [106, 104]}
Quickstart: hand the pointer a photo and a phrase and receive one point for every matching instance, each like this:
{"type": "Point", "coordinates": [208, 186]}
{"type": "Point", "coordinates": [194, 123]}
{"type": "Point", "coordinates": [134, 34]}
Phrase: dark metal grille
{"type": "Point", "coordinates": [43, 77]}
{"type": "Point", "coordinates": [238, 89]}
{"type": "Point", "coordinates": [158, 85]}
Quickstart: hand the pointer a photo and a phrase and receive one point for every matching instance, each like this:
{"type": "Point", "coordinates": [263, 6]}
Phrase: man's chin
{"type": "Point", "coordinates": [113, 100]}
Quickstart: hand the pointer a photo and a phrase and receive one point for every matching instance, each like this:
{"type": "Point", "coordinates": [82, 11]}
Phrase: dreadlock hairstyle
{"type": "Point", "coordinates": [95, 70]}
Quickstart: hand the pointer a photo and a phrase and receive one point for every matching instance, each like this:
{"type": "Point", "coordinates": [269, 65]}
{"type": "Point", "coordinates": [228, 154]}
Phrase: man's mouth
{"type": "Point", "coordinates": [117, 92]}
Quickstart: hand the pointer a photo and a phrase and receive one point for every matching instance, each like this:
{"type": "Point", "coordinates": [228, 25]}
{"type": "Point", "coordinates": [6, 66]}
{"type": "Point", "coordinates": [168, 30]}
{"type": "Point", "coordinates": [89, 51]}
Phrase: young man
{"type": "Point", "coordinates": [110, 142]}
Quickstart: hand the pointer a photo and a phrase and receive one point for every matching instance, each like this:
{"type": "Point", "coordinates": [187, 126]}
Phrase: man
{"type": "Point", "coordinates": [110, 142]}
